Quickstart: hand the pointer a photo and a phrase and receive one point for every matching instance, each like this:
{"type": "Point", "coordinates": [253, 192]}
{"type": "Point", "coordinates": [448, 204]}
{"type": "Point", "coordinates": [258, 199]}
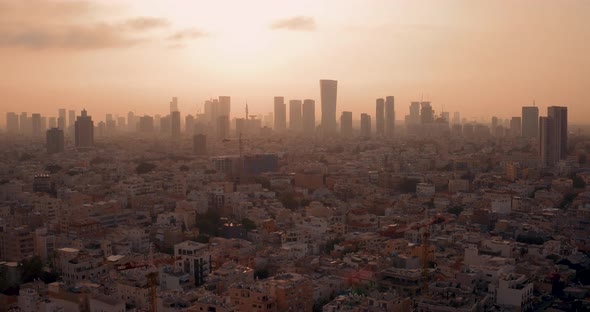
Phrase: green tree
{"type": "Point", "coordinates": [248, 224]}
{"type": "Point", "coordinates": [456, 210]}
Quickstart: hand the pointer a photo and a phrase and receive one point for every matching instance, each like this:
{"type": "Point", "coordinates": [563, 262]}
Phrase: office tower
{"type": "Point", "coordinates": [559, 116]}
{"type": "Point", "coordinates": [174, 105]}
{"type": "Point", "coordinates": [456, 130]}
{"type": "Point", "coordinates": [530, 121]}
{"type": "Point", "coordinates": [121, 123]}
{"type": "Point", "coordinates": [52, 122]}
{"type": "Point", "coordinates": [12, 123]}
{"type": "Point", "coordinates": [84, 131]}
{"type": "Point", "coordinates": [108, 117]}
{"type": "Point", "coordinates": [494, 122]}
{"type": "Point", "coordinates": [222, 127]}
{"type": "Point", "coordinates": [456, 118]}
{"type": "Point", "coordinates": [446, 116]}
{"type": "Point", "coordinates": [175, 124]}
{"type": "Point", "coordinates": [547, 146]}
{"type": "Point", "coordinates": [23, 123]}
{"type": "Point", "coordinates": [280, 113]}
{"type": "Point", "coordinates": [414, 117]}
{"type": "Point", "coordinates": [389, 116]}
{"type": "Point", "coordinates": [157, 122]}
{"type": "Point", "coordinates": [380, 117]}
{"type": "Point", "coordinates": [43, 124]}
{"type": "Point", "coordinates": [365, 126]}
{"type": "Point", "coordinates": [328, 93]}
{"type": "Point", "coordinates": [189, 124]}
{"type": "Point", "coordinates": [346, 124]}
{"type": "Point", "coordinates": [309, 117]}
{"type": "Point", "coordinates": [295, 118]}
{"type": "Point", "coordinates": [55, 141]}
{"type": "Point", "coordinates": [36, 125]}
{"type": "Point", "coordinates": [146, 124]}
{"type": "Point", "coordinates": [426, 113]}
{"type": "Point", "coordinates": [165, 126]}
{"type": "Point", "coordinates": [199, 144]}
{"type": "Point", "coordinates": [131, 122]}
{"type": "Point", "coordinates": [61, 118]}
{"type": "Point", "coordinates": [515, 126]}
{"type": "Point", "coordinates": [225, 106]}
{"type": "Point", "coordinates": [110, 127]}
{"type": "Point", "coordinates": [71, 118]}
{"type": "Point", "coordinates": [101, 129]}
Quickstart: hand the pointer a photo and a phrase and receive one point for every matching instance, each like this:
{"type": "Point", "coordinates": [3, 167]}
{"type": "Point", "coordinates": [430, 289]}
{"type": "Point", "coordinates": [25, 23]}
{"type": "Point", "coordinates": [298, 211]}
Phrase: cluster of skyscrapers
{"type": "Point", "coordinates": [550, 131]}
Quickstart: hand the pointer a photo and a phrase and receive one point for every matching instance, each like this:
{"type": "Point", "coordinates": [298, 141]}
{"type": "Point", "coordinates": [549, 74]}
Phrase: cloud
{"type": "Point", "coordinates": [186, 34]}
{"type": "Point", "coordinates": [297, 23]}
{"type": "Point", "coordinates": [146, 23]}
{"type": "Point", "coordinates": [72, 25]}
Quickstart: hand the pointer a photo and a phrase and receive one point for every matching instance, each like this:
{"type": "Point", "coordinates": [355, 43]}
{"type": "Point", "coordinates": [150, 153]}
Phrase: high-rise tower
{"type": "Point", "coordinates": [295, 118]}
{"type": "Point", "coordinates": [328, 93]}
{"type": "Point", "coordinates": [389, 116]}
{"type": "Point", "coordinates": [84, 131]}
{"type": "Point", "coordinates": [380, 116]}
{"type": "Point", "coordinates": [530, 121]}
{"type": "Point", "coordinates": [309, 117]}
{"type": "Point", "coordinates": [280, 117]}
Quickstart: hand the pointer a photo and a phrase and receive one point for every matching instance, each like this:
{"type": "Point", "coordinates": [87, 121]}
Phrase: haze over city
{"type": "Point", "coordinates": [477, 57]}
{"type": "Point", "coordinates": [294, 156]}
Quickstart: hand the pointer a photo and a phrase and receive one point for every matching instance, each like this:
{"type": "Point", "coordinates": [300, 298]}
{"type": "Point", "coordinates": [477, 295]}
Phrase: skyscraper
{"type": "Point", "coordinates": [12, 123]}
{"type": "Point", "coordinates": [456, 118]}
{"type": "Point", "coordinates": [309, 117]}
{"type": "Point", "coordinates": [189, 124]}
{"type": "Point", "coordinates": [414, 117]}
{"type": "Point", "coordinates": [516, 126]}
{"type": "Point", "coordinates": [51, 122]}
{"type": "Point", "coordinates": [222, 127]}
{"type": "Point", "coordinates": [346, 124]}
{"type": "Point", "coordinates": [295, 118]}
{"type": "Point", "coordinates": [36, 125]}
{"type": "Point", "coordinates": [365, 126]}
{"type": "Point", "coordinates": [55, 141]}
{"type": "Point", "coordinates": [280, 113]}
{"type": "Point", "coordinates": [84, 131]}
{"type": "Point", "coordinates": [426, 113]}
{"type": "Point", "coordinates": [71, 118]}
{"type": "Point", "coordinates": [23, 123]}
{"type": "Point", "coordinates": [175, 124]}
{"type": "Point", "coordinates": [560, 132]}
{"type": "Point", "coordinates": [225, 106]}
{"type": "Point", "coordinates": [146, 124]}
{"type": "Point", "coordinates": [380, 117]}
{"type": "Point", "coordinates": [546, 144]}
{"type": "Point", "coordinates": [553, 136]}
{"type": "Point", "coordinates": [328, 92]}
{"type": "Point", "coordinates": [174, 105]}
{"type": "Point", "coordinates": [61, 119]}
{"type": "Point", "coordinates": [389, 116]}
{"type": "Point", "coordinates": [530, 121]}
{"type": "Point", "coordinates": [131, 122]}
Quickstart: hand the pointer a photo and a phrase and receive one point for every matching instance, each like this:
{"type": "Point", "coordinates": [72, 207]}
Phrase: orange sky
{"type": "Point", "coordinates": [482, 58]}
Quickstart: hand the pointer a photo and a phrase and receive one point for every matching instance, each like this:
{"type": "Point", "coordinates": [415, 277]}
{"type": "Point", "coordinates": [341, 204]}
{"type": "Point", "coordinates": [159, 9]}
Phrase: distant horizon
{"type": "Point", "coordinates": [478, 57]}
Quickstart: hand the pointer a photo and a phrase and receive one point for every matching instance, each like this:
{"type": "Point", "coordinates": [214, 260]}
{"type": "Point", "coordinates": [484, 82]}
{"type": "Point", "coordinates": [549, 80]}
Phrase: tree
{"type": "Point", "coordinates": [408, 185]}
{"type": "Point", "coordinates": [145, 167]}
{"type": "Point", "coordinates": [288, 200]}
{"type": "Point", "coordinates": [30, 269]}
{"type": "Point", "coordinates": [248, 224]}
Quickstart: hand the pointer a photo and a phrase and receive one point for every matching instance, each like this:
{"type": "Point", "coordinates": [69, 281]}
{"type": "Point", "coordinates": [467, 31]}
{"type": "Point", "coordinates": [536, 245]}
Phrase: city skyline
{"type": "Point", "coordinates": [472, 56]}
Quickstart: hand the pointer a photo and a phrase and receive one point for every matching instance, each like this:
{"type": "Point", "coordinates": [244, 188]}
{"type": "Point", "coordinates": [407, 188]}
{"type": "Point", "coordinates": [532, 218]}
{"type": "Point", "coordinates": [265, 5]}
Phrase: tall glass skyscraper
{"type": "Point", "coordinates": [328, 93]}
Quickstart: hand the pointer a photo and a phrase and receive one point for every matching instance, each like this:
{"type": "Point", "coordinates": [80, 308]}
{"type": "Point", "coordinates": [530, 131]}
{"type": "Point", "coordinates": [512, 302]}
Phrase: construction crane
{"type": "Point", "coordinates": [152, 276]}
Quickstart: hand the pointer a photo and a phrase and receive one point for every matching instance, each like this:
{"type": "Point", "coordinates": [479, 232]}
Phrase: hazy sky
{"type": "Point", "coordinates": [482, 58]}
